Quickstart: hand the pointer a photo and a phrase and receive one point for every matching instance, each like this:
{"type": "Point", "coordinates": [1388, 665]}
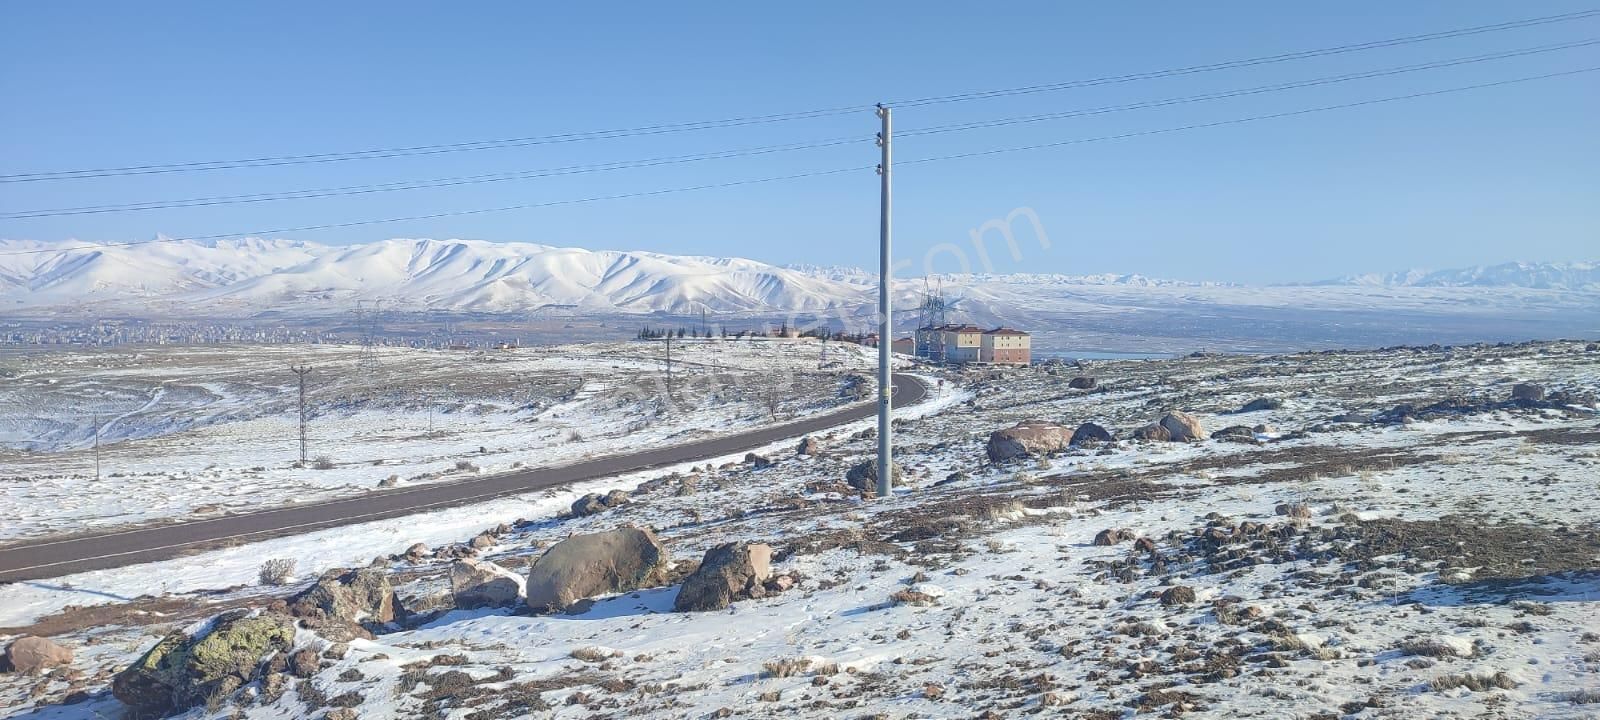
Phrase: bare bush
{"type": "Point", "coordinates": [276, 571]}
{"type": "Point", "coordinates": [573, 436]}
{"type": "Point", "coordinates": [1476, 682]}
{"type": "Point", "coordinates": [1583, 697]}
{"type": "Point", "coordinates": [594, 654]}
{"type": "Point", "coordinates": [1428, 647]}
{"type": "Point", "coordinates": [323, 462]}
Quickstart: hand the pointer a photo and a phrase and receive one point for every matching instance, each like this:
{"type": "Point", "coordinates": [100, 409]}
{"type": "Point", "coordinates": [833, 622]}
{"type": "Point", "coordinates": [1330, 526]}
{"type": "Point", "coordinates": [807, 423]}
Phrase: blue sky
{"type": "Point", "coordinates": [1477, 177]}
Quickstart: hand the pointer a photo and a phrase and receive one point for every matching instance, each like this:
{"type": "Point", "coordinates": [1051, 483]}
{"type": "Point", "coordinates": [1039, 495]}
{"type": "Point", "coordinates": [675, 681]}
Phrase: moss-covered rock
{"type": "Point", "coordinates": [187, 668]}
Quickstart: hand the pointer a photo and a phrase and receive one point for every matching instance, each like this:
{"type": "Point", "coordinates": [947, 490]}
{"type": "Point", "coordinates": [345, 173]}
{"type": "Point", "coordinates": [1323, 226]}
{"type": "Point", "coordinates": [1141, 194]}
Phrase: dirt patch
{"type": "Point", "coordinates": [138, 612]}
{"type": "Point", "coordinates": [1493, 551]}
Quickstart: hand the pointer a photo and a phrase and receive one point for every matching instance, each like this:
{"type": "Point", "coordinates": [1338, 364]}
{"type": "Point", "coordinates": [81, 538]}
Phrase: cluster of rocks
{"type": "Point", "coordinates": [1524, 396]}
{"type": "Point", "coordinates": [1039, 438]}
{"type": "Point", "coordinates": [213, 659]}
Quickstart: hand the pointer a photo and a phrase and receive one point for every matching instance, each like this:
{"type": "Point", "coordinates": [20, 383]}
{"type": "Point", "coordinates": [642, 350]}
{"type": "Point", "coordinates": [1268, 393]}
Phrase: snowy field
{"type": "Point", "coordinates": [1323, 566]}
{"type": "Point", "coordinates": [190, 432]}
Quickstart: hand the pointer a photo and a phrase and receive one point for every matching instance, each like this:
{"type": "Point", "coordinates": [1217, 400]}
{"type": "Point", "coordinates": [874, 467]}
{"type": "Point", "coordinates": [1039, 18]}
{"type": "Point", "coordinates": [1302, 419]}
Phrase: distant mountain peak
{"type": "Point", "coordinates": [1572, 276]}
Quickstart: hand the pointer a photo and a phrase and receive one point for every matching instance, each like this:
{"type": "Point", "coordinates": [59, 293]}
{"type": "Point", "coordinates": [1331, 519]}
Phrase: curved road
{"type": "Point", "coordinates": [53, 558]}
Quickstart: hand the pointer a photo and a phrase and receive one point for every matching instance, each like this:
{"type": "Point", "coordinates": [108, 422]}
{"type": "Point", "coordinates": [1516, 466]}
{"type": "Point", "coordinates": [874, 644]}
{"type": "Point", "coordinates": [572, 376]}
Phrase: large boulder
{"type": "Point", "coordinates": [731, 571]}
{"type": "Point", "coordinates": [30, 655]}
{"type": "Point", "coordinates": [1178, 595]}
{"type": "Point", "coordinates": [210, 659]}
{"type": "Point", "coordinates": [1259, 404]}
{"type": "Point", "coordinates": [808, 446]}
{"type": "Point", "coordinates": [863, 476]}
{"type": "Point", "coordinates": [584, 566]}
{"type": "Point", "coordinates": [1153, 431]}
{"type": "Point", "coordinates": [1026, 439]}
{"type": "Point", "coordinates": [1527, 391]}
{"type": "Point", "coordinates": [1183, 426]}
{"type": "Point", "coordinates": [479, 583]}
{"type": "Point", "coordinates": [1081, 382]}
{"type": "Point", "coordinates": [1090, 433]}
{"type": "Point", "coordinates": [1235, 433]}
{"type": "Point", "coordinates": [356, 596]}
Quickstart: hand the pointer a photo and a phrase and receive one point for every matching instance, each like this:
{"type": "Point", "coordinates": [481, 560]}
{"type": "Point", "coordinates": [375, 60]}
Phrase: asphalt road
{"type": "Point", "coordinates": [52, 558]}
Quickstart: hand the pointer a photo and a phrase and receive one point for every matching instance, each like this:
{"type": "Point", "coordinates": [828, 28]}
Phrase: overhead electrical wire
{"type": "Point", "coordinates": [434, 183]}
{"type": "Point", "coordinates": [406, 151]}
{"type": "Point", "coordinates": [1250, 119]}
{"type": "Point", "coordinates": [764, 150]}
{"type": "Point", "coordinates": [1251, 62]}
{"type": "Point", "coordinates": [1259, 90]}
{"type": "Point", "coordinates": [835, 171]}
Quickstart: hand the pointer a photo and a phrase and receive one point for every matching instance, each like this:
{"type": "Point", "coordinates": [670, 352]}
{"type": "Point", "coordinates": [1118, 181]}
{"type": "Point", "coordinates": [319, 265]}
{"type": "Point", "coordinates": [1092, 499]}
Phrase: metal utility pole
{"type": "Point", "coordinates": [885, 326]}
{"type": "Point", "coordinates": [302, 371]}
{"type": "Point", "coordinates": [669, 362]}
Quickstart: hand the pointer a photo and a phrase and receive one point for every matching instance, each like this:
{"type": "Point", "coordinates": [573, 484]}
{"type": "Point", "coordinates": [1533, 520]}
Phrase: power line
{"type": "Point", "coordinates": [274, 161]}
{"type": "Point", "coordinates": [1251, 62]}
{"type": "Point", "coordinates": [835, 171]}
{"type": "Point", "coordinates": [1329, 80]}
{"type": "Point", "coordinates": [425, 184]}
{"type": "Point", "coordinates": [1253, 118]}
{"type": "Point", "coordinates": [763, 150]}
{"type": "Point", "coordinates": [459, 213]}
{"type": "Point", "coordinates": [405, 151]}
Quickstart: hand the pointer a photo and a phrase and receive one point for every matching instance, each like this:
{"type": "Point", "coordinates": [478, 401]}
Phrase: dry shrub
{"type": "Point", "coordinates": [1476, 682]}
{"type": "Point", "coordinates": [594, 654]}
{"type": "Point", "coordinates": [1428, 647]}
{"type": "Point", "coordinates": [276, 571]}
{"type": "Point", "coordinates": [1583, 697]}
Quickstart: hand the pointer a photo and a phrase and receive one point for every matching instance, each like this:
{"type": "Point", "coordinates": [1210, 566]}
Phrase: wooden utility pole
{"type": "Point", "coordinates": [885, 326]}
{"type": "Point", "coordinates": [669, 362]}
{"type": "Point", "coordinates": [302, 371]}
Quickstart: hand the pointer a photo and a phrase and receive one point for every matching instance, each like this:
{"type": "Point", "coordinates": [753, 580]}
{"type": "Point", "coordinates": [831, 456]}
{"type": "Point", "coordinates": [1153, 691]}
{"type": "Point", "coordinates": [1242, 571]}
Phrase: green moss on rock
{"type": "Point", "coordinates": [183, 670]}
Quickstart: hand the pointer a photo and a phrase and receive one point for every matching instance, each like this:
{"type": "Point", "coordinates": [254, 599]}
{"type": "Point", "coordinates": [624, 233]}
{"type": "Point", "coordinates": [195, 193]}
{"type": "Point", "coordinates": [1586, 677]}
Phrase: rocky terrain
{"type": "Point", "coordinates": [1410, 532]}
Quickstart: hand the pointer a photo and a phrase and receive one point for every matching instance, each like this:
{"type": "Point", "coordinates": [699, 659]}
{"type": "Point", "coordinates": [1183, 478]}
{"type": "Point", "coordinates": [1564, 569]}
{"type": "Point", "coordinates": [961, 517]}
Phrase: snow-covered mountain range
{"type": "Point", "coordinates": [252, 275]}
{"type": "Point", "coordinates": [249, 278]}
{"type": "Point", "coordinates": [1544, 276]}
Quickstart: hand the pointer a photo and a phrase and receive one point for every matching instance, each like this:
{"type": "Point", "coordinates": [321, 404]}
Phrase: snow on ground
{"type": "Point", "coordinates": [1449, 566]}
{"type": "Point", "coordinates": [202, 431]}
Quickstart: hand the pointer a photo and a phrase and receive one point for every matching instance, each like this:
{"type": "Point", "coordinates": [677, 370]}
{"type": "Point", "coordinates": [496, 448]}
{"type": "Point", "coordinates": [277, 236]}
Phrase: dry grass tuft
{"type": "Point", "coordinates": [594, 654]}
{"type": "Point", "coordinates": [1476, 682]}
{"type": "Point", "coordinates": [1428, 647]}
